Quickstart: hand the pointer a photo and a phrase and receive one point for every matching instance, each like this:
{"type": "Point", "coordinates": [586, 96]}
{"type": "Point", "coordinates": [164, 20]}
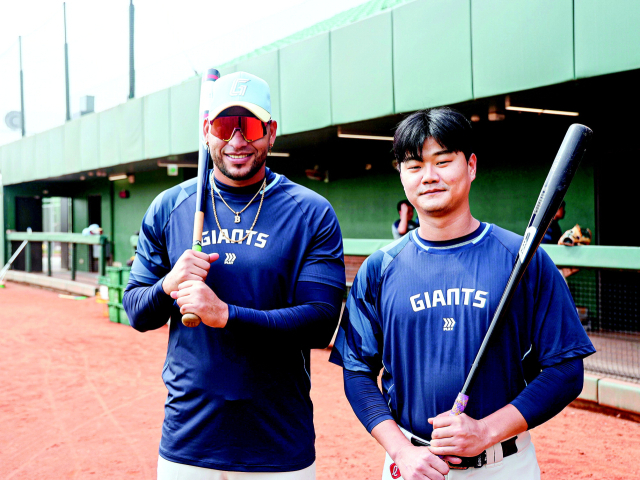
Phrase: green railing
{"type": "Point", "coordinates": [591, 256]}
{"type": "Point", "coordinates": [73, 239]}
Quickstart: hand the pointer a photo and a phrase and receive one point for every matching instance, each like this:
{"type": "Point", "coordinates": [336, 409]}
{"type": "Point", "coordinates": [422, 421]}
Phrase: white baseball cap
{"type": "Point", "coordinates": [241, 89]}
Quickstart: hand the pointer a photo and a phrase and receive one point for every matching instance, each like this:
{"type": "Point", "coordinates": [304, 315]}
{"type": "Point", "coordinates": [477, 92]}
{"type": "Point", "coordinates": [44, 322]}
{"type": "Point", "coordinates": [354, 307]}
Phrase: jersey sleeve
{"type": "Point", "coordinates": [557, 332]}
{"type": "Point", "coordinates": [358, 344]}
{"type": "Point", "coordinates": [324, 259]}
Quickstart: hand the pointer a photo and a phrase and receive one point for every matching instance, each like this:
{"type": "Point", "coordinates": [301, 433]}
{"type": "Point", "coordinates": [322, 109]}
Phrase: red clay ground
{"type": "Point", "coordinates": [81, 397]}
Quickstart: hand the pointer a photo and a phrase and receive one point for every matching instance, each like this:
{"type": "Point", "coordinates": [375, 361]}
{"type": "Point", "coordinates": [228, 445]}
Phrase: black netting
{"type": "Point", "coordinates": [607, 302]}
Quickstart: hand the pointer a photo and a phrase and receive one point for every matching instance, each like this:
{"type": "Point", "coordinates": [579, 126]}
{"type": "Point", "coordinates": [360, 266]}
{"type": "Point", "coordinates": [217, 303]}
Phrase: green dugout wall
{"type": "Point", "coordinates": [382, 58]}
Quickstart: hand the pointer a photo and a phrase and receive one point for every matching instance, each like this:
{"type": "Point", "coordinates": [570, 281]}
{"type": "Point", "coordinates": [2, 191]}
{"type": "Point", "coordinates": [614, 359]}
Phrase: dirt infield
{"type": "Point", "coordinates": [82, 398]}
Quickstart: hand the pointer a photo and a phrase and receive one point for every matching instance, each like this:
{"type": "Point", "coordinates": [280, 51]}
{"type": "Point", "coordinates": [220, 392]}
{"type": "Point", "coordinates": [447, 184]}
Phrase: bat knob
{"type": "Point", "coordinates": [190, 320]}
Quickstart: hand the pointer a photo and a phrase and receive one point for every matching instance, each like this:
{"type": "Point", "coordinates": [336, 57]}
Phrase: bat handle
{"type": "Point", "coordinates": [458, 406]}
{"type": "Point", "coordinates": [192, 320]}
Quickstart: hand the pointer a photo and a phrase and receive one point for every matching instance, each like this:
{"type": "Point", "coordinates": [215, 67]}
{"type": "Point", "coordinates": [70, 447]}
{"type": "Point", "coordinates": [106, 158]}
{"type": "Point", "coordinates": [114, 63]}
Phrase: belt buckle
{"type": "Point", "coordinates": [478, 461]}
{"type": "Point", "coordinates": [453, 466]}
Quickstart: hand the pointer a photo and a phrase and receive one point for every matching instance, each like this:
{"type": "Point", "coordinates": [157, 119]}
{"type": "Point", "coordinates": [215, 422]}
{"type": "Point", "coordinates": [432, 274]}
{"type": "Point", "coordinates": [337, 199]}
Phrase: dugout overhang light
{"type": "Point", "coordinates": [359, 136]}
{"type": "Point", "coordinates": [542, 110]}
{"type": "Point", "coordinates": [539, 111]}
{"type": "Point", "coordinates": [178, 165]}
{"type": "Point", "coordinates": [118, 176]}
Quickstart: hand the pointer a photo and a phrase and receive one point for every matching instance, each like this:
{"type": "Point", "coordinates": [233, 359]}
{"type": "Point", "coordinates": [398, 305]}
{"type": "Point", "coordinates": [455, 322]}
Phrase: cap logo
{"type": "Point", "coordinates": [238, 90]}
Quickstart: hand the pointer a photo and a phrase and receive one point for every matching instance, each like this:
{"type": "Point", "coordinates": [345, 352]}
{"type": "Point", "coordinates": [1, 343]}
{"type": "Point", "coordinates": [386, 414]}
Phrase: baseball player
{"type": "Point", "coordinates": [419, 309]}
{"type": "Point", "coordinates": [268, 286]}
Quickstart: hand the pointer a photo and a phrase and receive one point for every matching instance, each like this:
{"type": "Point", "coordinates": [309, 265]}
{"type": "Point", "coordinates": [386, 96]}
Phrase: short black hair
{"type": "Point", "coordinates": [448, 127]}
{"type": "Point", "coordinates": [405, 202]}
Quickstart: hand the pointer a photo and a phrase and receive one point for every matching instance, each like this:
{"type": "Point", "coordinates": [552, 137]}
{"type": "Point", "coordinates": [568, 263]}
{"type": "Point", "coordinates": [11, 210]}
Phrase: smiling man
{"type": "Point", "coordinates": [419, 310]}
{"type": "Point", "coordinates": [238, 405]}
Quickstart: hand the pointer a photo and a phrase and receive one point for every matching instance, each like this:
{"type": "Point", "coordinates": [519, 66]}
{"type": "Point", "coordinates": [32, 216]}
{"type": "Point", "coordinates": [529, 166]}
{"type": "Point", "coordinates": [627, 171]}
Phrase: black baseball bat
{"type": "Point", "coordinates": [555, 186]}
{"type": "Point", "coordinates": [191, 319]}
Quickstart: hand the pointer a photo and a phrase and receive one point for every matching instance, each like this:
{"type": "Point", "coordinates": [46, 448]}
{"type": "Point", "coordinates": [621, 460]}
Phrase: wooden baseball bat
{"type": "Point", "coordinates": [191, 319]}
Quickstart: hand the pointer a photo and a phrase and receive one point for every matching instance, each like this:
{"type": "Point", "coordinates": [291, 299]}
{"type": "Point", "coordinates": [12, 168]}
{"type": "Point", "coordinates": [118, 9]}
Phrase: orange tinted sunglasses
{"type": "Point", "coordinates": [252, 128]}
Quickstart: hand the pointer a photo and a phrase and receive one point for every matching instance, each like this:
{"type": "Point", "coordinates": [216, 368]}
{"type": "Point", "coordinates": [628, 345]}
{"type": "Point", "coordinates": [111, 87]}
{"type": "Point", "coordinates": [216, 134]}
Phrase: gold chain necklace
{"type": "Point", "coordinates": [237, 220]}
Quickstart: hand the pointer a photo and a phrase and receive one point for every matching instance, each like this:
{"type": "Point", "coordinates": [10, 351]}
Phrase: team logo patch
{"type": "Point", "coordinates": [230, 258]}
{"type": "Point", "coordinates": [449, 323]}
{"type": "Point", "coordinates": [395, 471]}
{"type": "Point", "coordinates": [238, 90]}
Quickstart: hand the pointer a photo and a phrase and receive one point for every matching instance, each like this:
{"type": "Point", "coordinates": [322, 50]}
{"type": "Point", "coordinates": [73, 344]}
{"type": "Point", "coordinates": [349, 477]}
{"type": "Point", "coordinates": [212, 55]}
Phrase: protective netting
{"type": "Point", "coordinates": [607, 302]}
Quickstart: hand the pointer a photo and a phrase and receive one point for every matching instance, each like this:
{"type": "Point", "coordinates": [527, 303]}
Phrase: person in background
{"type": "Point", "coordinates": [554, 232]}
{"type": "Point", "coordinates": [405, 223]}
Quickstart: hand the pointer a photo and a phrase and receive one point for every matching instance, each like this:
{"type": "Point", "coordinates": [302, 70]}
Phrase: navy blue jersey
{"type": "Point", "coordinates": [419, 310]}
{"type": "Point", "coordinates": [238, 401]}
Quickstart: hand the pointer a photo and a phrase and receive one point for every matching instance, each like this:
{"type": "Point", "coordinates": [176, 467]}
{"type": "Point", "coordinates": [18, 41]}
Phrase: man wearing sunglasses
{"type": "Point", "coordinates": [267, 286]}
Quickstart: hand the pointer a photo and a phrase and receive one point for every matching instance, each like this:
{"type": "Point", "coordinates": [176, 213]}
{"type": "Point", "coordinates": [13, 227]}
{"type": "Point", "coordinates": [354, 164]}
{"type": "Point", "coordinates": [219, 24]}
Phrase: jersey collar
{"type": "Point", "coordinates": [445, 247]}
{"type": "Point", "coordinates": [272, 180]}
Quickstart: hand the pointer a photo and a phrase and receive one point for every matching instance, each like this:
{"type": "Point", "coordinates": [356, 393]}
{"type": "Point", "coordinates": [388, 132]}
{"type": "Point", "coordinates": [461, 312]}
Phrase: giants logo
{"type": "Point", "coordinates": [451, 296]}
{"type": "Point", "coordinates": [238, 90]}
{"type": "Point", "coordinates": [259, 239]}
{"type": "Point", "coordinates": [395, 471]}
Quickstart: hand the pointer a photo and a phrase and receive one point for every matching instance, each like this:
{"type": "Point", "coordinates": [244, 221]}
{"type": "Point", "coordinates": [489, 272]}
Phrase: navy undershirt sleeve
{"type": "Point", "coordinates": [365, 398]}
{"type": "Point", "coordinates": [311, 322]}
{"type": "Point", "coordinates": [147, 306]}
{"type": "Point", "coordinates": [552, 390]}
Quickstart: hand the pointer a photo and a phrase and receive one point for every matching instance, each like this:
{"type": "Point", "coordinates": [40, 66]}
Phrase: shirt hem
{"type": "Point", "coordinates": [236, 467]}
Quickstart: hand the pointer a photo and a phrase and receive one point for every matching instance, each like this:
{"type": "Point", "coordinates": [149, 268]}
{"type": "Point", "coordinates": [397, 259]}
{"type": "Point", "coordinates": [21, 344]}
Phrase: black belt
{"type": "Point", "coordinates": [509, 447]}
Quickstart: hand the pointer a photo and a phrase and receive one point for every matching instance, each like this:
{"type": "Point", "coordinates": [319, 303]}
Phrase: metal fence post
{"type": "Point", "coordinates": [27, 261]}
{"type": "Point", "coordinates": [103, 262]}
{"type": "Point", "coordinates": [49, 244]}
{"type": "Point", "coordinates": [73, 261]}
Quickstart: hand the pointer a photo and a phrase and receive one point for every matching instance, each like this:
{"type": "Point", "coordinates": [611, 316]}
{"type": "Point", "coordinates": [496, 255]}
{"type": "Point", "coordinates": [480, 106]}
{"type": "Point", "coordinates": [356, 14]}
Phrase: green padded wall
{"type": "Point", "coordinates": [71, 147]}
{"type": "Point", "coordinates": [43, 160]}
{"type": "Point", "coordinates": [305, 83]}
{"type": "Point", "coordinates": [431, 54]}
{"type": "Point", "coordinates": [520, 44]}
{"type": "Point", "coordinates": [89, 141]}
{"type": "Point", "coordinates": [132, 130]}
{"type": "Point", "coordinates": [607, 36]}
{"type": "Point", "coordinates": [109, 138]}
{"type": "Point", "coordinates": [157, 124]}
{"type": "Point", "coordinates": [14, 162]}
{"type": "Point", "coordinates": [28, 164]}
{"type": "Point", "coordinates": [267, 67]}
{"type": "Point", "coordinates": [185, 125]}
{"type": "Point", "coordinates": [362, 70]}
{"type": "Point", "coordinates": [56, 150]}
